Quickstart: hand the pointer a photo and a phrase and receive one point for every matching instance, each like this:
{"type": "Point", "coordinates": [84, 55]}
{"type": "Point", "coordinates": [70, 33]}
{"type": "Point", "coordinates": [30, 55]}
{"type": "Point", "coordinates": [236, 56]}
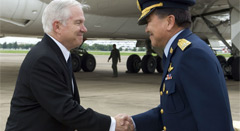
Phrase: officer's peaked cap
{"type": "Point", "coordinates": [148, 6]}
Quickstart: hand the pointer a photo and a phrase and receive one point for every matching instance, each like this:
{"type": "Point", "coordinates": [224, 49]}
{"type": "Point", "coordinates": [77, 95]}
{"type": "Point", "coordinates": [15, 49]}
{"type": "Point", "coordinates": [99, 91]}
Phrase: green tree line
{"type": "Point", "coordinates": [94, 47]}
{"type": "Point", "coordinates": [99, 47]}
{"type": "Point", "coordinates": [14, 45]}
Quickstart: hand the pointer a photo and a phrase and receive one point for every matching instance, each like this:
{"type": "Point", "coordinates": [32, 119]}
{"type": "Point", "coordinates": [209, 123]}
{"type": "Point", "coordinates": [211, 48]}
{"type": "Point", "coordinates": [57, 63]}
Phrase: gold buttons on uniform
{"type": "Point", "coordinates": [171, 50]}
{"type": "Point", "coordinates": [161, 93]}
{"type": "Point", "coordinates": [161, 111]}
{"type": "Point", "coordinates": [164, 128]}
{"type": "Point", "coordinates": [166, 92]}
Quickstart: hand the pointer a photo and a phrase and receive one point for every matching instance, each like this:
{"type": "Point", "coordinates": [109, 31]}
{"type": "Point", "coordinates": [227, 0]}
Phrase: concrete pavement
{"type": "Point", "coordinates": [128, 93]}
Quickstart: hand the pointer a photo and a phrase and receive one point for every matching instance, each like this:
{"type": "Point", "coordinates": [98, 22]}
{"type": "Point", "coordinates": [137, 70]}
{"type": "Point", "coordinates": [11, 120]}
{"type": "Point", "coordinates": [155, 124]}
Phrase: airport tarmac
{"type": "Point", "coordinates": [128, 93]}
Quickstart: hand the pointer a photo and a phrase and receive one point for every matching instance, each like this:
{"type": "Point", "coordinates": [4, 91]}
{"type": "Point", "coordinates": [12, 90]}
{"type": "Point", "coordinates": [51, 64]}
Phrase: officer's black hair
{"type": "Point", "coordinates": [182, 17]}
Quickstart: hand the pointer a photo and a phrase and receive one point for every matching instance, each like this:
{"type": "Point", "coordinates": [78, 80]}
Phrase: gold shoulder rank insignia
{"type": "Point", "coordinates": [170, 68]}
{"type": "Point", "coordinates": [183, 43]}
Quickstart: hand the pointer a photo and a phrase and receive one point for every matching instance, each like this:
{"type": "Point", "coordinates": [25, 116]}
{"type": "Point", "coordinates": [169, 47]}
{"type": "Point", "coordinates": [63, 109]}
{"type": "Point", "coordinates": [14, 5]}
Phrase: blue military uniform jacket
{"type": "Point", "coordinates": [193, 92]}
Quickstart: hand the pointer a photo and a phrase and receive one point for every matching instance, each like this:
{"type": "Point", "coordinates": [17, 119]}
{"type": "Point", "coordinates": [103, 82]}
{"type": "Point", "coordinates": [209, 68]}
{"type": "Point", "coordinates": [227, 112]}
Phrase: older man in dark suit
{"type": "Point", "coordinates": [46, 95]}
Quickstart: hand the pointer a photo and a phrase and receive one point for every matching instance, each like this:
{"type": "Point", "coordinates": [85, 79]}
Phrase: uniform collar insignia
{"type": "Point", "coordinates": [183, 44]}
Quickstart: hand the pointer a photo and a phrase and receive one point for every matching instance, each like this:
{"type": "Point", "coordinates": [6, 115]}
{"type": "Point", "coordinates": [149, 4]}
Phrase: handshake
{"type": "Point", "coordinates": [124, 123]}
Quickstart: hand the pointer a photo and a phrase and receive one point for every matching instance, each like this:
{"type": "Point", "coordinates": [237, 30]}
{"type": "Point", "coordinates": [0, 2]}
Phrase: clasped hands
{"type": "Point", "coordinates": [124, 123]}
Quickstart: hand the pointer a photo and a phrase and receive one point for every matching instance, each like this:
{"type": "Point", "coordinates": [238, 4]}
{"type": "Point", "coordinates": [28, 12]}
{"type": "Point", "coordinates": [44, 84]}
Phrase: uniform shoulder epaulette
{"type": "Point", "coordinates": [183, 44]}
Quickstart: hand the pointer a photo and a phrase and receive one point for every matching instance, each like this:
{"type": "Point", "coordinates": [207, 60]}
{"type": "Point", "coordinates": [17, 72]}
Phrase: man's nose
{"type": "Point", "coordinates": [83, 28]}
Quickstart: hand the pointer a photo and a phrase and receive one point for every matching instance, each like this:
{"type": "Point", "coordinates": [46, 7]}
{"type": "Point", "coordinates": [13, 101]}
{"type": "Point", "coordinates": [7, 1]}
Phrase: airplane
{"type": "Point", "coordinates": [117, 19]}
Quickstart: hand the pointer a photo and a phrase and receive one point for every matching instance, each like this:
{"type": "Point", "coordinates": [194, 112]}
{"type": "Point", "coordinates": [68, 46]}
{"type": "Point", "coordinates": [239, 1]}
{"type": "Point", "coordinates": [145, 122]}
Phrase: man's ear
{"type": "Point", "coordinates": [56, 26]}
{"type": "Point", "coordinates": [171, 22]}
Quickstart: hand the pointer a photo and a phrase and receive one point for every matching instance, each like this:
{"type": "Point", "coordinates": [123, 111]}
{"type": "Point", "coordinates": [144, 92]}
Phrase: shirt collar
{"type": "Point", "coordinates": [64, 50]}
{"type": "Point", "coordinates": [166, 49]}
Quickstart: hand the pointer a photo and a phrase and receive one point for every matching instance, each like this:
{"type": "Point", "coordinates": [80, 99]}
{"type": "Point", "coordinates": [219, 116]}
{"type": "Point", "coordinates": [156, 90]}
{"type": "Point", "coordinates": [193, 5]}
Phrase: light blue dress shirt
{"type": "Point", "coordinates": [167, 47]}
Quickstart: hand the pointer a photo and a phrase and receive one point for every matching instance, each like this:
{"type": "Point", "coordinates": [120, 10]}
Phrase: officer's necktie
{"type": "Point", "coordinates": [69, 64]}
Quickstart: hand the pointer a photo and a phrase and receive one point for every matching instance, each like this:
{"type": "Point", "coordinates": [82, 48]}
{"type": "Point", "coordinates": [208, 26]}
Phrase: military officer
{"type": "Point", "coordinates": [193, 93]}
{"type": "Point", "coordinates": [115, 55]}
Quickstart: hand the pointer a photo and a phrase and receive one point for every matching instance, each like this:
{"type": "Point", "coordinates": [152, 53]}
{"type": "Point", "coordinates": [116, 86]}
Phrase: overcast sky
{"type": "Point", "coordinates": [19, 40]}
{"type": "Point", "coordinates": [27, 40]}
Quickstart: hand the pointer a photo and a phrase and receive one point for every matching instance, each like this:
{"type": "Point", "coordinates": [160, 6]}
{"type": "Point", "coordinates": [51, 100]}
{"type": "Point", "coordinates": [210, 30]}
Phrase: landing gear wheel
{"type": "Point", "coordinates": [230, 60]}
{"type": "Point", "coordinates": [148, 64]}
{"type": "Point", "coordinates": [159, 64]}
{"type": "Point", "coordinates": [88, 63]}
{"type": "Point", "coordinates": [133, 63]}
{"type": "Point", "coordinates": [235, 69]}
{"type": "Point", "coordinates": [229, 65]}
{"type": "Point", "coordinates": [76, 62]}
{"type": "Point", "coordinates": [221, 59]}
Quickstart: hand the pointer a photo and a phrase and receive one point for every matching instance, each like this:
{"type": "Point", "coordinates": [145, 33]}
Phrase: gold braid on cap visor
{"type": "Point", "coordinates": [146, 10]}
{"type": "Point", "coordinates": [138, 5]}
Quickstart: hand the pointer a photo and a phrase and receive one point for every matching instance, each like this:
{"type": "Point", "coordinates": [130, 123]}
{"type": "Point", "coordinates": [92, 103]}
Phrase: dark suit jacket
{"type": "Point", "coordinates": [193, 92]}
{"type": "Point", "coordinates": [43, 99]}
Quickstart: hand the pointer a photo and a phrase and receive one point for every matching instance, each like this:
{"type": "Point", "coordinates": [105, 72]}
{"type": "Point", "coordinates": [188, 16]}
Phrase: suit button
{"type": "Point", "coordinates": [161, 93]}
{"type": "Point", "coordinates": [161, 111]}
{"type": "Point", "coordinates": [164, 128]}
{"type": "Point", "coordinates": [166, 92]}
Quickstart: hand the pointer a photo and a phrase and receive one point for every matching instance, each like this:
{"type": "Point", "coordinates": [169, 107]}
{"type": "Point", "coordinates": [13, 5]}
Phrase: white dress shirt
{"type": "Point", "coordinates": [66, 53]}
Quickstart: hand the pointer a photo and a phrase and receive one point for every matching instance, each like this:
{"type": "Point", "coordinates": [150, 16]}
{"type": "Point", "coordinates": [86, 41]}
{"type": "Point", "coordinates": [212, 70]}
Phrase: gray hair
{"type": "Point", "coordinates": [58, 10]}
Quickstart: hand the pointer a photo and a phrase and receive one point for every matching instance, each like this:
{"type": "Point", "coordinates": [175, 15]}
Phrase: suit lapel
{"type": "Point", "coordinates": [59, 53]}
{"type": "Point", "coordinates": [55, 49]}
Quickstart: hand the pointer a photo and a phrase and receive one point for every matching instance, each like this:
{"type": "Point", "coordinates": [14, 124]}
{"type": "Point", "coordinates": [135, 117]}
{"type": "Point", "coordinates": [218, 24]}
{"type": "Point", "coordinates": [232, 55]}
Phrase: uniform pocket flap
{"type": "Point", "coordinates": [170, 87]}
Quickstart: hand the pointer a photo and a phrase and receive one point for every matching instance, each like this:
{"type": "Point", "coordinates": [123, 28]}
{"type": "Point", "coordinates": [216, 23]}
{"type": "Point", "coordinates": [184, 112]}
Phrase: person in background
{"type": "Point", "coordinates": [115, 56]}
{"type": "Point", "coordinates": [46, 95]}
